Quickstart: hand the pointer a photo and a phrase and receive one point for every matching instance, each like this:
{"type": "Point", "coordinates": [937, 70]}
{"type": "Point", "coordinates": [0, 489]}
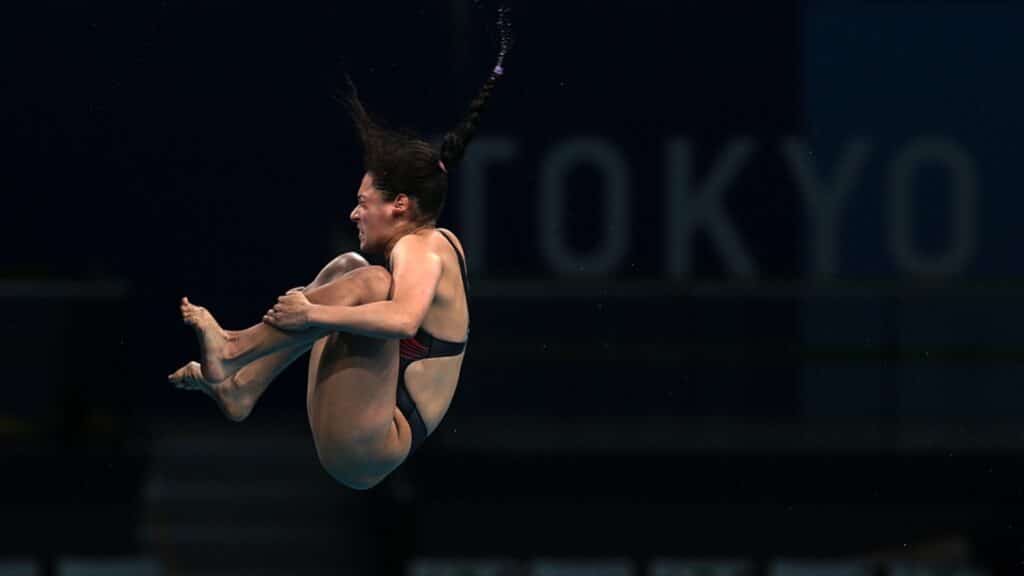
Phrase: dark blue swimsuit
{"type": "Point", "coordinates": [424, 345]}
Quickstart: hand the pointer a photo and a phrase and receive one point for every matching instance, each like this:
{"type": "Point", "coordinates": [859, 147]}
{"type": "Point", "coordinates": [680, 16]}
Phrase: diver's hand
{"type": "Point", "coordinates": [291, 311]}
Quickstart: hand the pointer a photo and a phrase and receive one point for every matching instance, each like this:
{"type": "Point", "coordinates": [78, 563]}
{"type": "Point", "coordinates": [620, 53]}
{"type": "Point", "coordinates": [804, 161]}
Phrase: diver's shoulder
{"type": "Point", "coordinates": [453, 237]}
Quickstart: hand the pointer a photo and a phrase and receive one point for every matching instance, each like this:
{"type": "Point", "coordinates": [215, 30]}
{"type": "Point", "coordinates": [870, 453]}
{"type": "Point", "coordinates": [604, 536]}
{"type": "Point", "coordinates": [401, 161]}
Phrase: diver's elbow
{"type": "Point", "coordinates": [408, 328]}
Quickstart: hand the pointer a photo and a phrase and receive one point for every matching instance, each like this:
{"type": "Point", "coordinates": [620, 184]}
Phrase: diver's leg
{"type": "Point", "coordinates": [223, 353]}
{"type": "Point", "coordinates": [258, 374]}
{"type": "Point", "coordinates": [350, 398]}
{"type": "Point", "coordinates": [236, 396]}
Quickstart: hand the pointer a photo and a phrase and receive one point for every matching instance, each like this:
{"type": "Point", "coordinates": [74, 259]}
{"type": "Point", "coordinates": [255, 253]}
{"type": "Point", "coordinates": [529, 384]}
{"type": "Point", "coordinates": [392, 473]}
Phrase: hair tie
{"type": "Point", "coordinates": [498, 70]}
{"type": "Point", "coordinates": [441, 164]}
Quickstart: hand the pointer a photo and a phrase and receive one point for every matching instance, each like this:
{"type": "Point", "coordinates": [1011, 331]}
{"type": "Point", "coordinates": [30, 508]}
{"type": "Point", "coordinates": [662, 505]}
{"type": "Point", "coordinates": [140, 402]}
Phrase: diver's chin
{"type": "Point", "coordinates": [365, 247]}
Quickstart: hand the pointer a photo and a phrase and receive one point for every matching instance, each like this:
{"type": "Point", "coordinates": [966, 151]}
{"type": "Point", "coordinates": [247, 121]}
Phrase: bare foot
{"type": "Point", "coordinates": [213, 341]}
{"type": "Point", "coordinates": [233, 400]}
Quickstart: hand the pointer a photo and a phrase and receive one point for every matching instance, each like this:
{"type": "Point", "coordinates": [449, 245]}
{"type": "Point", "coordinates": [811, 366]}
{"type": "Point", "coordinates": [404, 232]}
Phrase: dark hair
{"type": "Point", "coordinates": [400, 161]}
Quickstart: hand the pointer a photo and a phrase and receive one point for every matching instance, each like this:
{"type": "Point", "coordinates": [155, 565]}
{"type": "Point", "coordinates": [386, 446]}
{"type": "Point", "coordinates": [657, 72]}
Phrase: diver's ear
{"type": "Point", "coordinates": [401, 203]}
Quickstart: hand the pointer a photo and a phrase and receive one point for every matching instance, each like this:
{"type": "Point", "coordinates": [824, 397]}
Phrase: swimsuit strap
{"type": "Point", "coordinates": [462, 265]}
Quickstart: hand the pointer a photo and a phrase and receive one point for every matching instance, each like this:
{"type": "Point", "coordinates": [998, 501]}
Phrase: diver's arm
{"type": "Point", "coordinates": [417, 270]}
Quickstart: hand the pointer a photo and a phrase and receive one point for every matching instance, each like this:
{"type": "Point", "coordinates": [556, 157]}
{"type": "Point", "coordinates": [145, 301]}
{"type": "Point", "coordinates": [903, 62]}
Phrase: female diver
{"type": "Point", "coordinates": [386, 343]}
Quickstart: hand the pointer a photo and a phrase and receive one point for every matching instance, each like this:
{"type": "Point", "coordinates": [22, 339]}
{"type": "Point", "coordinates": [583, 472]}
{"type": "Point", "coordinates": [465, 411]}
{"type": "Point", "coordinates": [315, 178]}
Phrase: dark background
{"type": "Point", "coordinates": [845, 395]}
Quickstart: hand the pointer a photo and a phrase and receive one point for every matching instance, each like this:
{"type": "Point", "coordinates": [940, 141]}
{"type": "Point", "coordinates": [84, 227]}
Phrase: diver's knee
{"type": "Point", "coordinates": [350, 260]}
{"type": "Point", "coordinates": [343, 264]}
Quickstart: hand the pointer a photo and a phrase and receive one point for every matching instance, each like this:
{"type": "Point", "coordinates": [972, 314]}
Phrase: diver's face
{"type": "Point", "coordinates": [372, 216]}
